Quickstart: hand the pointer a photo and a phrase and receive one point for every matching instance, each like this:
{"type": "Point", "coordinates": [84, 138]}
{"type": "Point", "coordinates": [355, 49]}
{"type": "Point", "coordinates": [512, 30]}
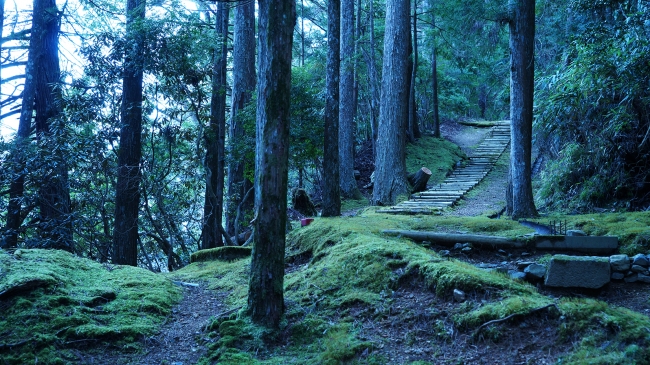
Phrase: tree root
{"type": "Point", "coordinates": [495, 321]}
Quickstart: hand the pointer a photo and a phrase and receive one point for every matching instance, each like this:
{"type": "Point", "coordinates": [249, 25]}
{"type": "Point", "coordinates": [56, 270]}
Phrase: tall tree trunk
{"type": "Point", "coordinates": [243, 85]}
{"type": "Point", "coordinates": [215, 137]}
{"type": "Point", "coordinates": [265, 294]}
{"type": "Point", "coordinates": [414, 128]}
{"type": "Point", "coordinates": [349, 187]}
{"type": "Point", "coordinates": [127, 195]}
{"type": "Point", "coordinates": [19, 152]}
{"type": "Point", "coordinates": [374, 97]}
{"type": "Point", "coordinates": [434, 76]}
{"type": "Point", "coordinates": [357, 46]}
{"type": "Point", "coordinates": [54, 193]}
{"type": "Point", "coordinates": [331, 188]}
{"type": "Point", "coordinates": [390, 165]}
{"type": "Point", "coordinates": [522, 76]}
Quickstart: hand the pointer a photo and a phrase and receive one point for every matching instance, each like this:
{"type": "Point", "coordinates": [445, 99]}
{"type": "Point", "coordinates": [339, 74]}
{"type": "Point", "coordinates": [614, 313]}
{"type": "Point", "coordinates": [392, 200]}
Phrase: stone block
{"type": "Point", "coordinates": [639, 269]}
{"type": "Point", "coordinates": [535, 272]}
{"type": "Point", "coordinates": [643, 278]}
{"type": "Point", "coordinates": [618, 276]}
{"type": "Point", "coordinates": [578, 272]}
{"type": "Point", "coordinates": [620, 262]}
{"type": "Point", "coordinates": [517, 275]}
{"type": "Point", "coordinates": [641, 260]}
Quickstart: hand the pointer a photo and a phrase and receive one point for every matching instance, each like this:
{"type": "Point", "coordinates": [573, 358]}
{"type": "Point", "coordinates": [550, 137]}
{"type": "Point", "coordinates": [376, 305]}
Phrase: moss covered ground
{"type": "Point", "coordinates": [52, 303]}
{"type": "Point", "coordinates": [343, 271]}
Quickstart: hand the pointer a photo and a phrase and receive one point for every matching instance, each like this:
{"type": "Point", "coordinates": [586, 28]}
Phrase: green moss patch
{"type": "Point", "coordinates": [436, 154]}
{"type": "Point", "coordinates": [225, 253]}
{"type": "Point", "coordinates": [53, 302]}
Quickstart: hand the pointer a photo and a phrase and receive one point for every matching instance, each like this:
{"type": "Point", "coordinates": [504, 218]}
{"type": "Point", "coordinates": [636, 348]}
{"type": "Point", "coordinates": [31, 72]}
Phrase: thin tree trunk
{"type": "Point", "coordinates": [331, 188]}
{"type": "Point", "coordinates": [215, 136]}
{"type": "Point", "coordinates": [349, 188]}
{"type": "Point", "coordinates": [127, 195]}
{"type": "Point", "coordinates": [243, 86]}
{"type": "Point", "coordinates": [265, 294]}
{"type": "Point", "coordinates": [54, 194]}
{"type": "Point", "coordinates": [390, 165]}
{"type": "Point", "coordinates": [522, 77]}
{"type": "Point", "coordinates": [19, 155]}
{"type": "Point", "coordinates": [374, 98]}
{"type": "Point", "coordinates": [434, 76]}
{"type": "Point", "coordinates": [414, 128]}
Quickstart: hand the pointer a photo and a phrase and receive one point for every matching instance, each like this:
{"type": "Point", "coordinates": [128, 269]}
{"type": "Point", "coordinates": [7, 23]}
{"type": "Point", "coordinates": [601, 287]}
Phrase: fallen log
{"type": "Point", "coordinates": [450, 239]}
{"type": "Point", "coordinates": [419, 180]}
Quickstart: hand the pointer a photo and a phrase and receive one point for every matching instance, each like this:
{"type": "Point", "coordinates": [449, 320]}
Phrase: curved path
{"type": "Point", "coordinates": [462, 179]}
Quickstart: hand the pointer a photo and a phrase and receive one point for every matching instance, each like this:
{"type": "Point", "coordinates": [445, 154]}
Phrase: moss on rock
{"type": "Point", "coordinates": [225, 253]}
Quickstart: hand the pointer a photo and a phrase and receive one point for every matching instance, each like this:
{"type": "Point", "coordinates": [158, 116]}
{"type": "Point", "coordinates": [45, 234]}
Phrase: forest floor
{"type": "Point", "coordinates": [183, 339]}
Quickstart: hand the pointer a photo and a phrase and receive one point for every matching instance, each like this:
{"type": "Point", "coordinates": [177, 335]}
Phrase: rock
{"type": "Point", "coordinates": [458, 247]}
{"type": "Point", "coordinates": [575, 233]}
{"type": "Point", "coordinates": [517, 275]}
{"type": "Point", "coordinates": [466, 250]}
{"type": "Point", "coordinates": [521, 265]}
{"type": "Point", "coordinates": [501, 251]}
{"type": "Point", "coordinates": [632, 278]}
{"type": "Point", "coordinates": [459, 295]}
{"type": "Point", "coordinates": [524, 254]}
{"type": "Point", "coordinates": [639, 269]}
{"type": "Point", "coordinates": [618, 276]}
{"type": "Point", "coordinates": [535, 272]}
{"type": "Point", "coordinates": [643, 278]}
{"type": "Point", "coordinates": [444, 253]}
{"type": "Point", "coordinates": [619, 262]}
{"type": "Point", "coordinates": [483, 265]}
{"type": "Point", "coordinates": [641, 260]}
{"type": "Point", "coordinates": [502, 270]}
{"type": "Point", "coordinates": [578, 271]}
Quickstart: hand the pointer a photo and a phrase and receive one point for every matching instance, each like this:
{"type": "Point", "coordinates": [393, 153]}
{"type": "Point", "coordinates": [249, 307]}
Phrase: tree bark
{"type": "Point", "coordinates": [265, 295]}
{"type": "Point", "coordinates": [215, 136]}
{"type": "Point", "coordinates": [522, 77]}
{"type": "Point", "coordinates": [243, 86]}
{"type": "Point", "coordinates": [54, 193]}
{"type": "Point", "coordinates": [348, 184]}
{"type": "Point", "coordinates": [374, 98]}
{"type": "Point", "coordinates": [434, 74]}
{"type": "Point", "coordinates": [127, 195]}
{"type": "Point", "coordinates": [414, 128]}
{"type": "Point", "coordinates": [390, 164]}
{"type": "Point", "coordinates": [331, 187]}
{"type": "Point", "coordinates": [419, 180]}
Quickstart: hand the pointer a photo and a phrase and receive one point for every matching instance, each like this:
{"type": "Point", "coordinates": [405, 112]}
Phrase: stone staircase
{"type": "Point", "coordinates": [462, 179]}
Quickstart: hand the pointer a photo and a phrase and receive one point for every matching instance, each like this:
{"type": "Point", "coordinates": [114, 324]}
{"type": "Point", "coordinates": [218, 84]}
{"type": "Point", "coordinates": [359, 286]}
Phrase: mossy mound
{"type": "Point", "coordinates": [225, 253]}
{"type": "Point", "coordinates": [436, 154]}
{"type": "Point", "coordinates": [342, 272]}
{"type": "Point", "coordinates": [53, 302]}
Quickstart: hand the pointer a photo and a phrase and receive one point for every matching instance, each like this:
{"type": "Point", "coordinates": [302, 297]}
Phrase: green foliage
{"type": "Point", "coordinates": [54, 300]}
{"type": "Point", "coordinates": [593, 112]}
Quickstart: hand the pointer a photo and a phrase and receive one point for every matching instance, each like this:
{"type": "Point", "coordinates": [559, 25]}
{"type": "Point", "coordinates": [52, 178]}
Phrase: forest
{"type": "Point", "coordinates": [185, 142]}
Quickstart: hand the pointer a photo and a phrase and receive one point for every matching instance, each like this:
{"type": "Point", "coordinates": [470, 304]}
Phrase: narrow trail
{"type": "Point", "coordinates": [462, 179]}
